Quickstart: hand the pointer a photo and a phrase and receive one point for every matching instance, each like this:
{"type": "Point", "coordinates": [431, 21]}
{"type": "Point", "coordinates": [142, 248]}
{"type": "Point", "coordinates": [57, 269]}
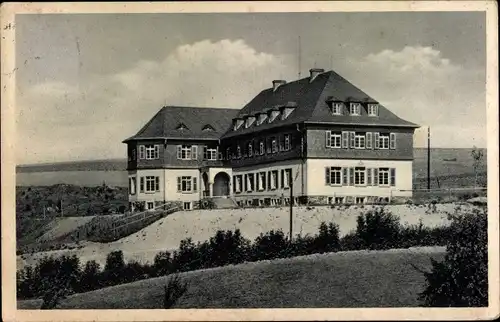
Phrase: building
{"type": "Point", "coordinates": [321, 134]}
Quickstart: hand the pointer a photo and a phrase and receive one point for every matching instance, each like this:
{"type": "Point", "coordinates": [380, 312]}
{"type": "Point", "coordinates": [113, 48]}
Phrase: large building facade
{"type": "Point", "coordinates": [320, 136]}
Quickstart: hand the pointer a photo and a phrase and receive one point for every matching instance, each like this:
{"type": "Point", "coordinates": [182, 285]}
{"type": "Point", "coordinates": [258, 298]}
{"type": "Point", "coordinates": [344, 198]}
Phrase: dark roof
{"type": "Point", "coordinates": [311, 101]}
{"type": "Point", "coordinates": [166, 122]}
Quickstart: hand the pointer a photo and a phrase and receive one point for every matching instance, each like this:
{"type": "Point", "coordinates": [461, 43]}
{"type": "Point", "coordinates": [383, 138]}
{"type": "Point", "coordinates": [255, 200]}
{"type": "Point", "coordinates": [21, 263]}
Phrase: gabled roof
{"type": "Point", "coordinates": [164, 125]}
{"type": "Point", "coordinates": [311, 99]}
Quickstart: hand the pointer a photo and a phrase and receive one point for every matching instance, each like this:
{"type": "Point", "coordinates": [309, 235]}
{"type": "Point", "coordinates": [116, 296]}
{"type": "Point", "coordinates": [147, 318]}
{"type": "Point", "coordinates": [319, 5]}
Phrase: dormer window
{"type": "Point", "coordinates": [208, 128]}
{"type": "Point", "coordinates": [261, 118]}
{"type": "Point", "coordinates": [355, 109]}
{"type": "Point", "coordinates": [372, 109]}
{"type": "Point", "coordinates": [337, 108]}
{"type": "Point", "coordinates": [288, 109]}
{"type": "Point", "coordinates": [274, 114]}
{"type": "Point", "coordinates": [237, 123]}
{"type": "Point", "coordinates": [249, 121]}
{"type": "Point", "coordinates": [181, 127]}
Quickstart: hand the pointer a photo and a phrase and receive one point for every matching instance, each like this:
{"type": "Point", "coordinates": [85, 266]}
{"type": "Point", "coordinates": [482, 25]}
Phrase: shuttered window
{"type": "Point", "coordinates": [392, 141]}
{"type": "Point", "coordinates": [369, 140]}
{"type": "Point", "coordinates": [327, 175]}
{"type": "Point", "coordinates": [179, 184]}
{"type": "Point", "coordinates": [353, 139]}
{"type": "Point", "coordinates": [393, 177]}
{"type": "Point", "coordinates": [351, 176]}
{"type": "Point", "coordinates": [195, 184]}
{"type": "Point", "coordinates": [377, 137]}
{"type": "Point", "coordinates": [328, 138]}
{"type": "Point", "coordinates": [345, 176]}
{"type": "Point", "coordinates": [375, 177]}
{"type": "Point", "coordinates": [157, 183]}
{"type": "Point", "coordinates": [345, 140]}
{"type": "Point", "coordinates": [141, 185]}
{"type": "Point", "coordinates": [142, 152]}
{"type": "Point", "coordinates": [369, 176]}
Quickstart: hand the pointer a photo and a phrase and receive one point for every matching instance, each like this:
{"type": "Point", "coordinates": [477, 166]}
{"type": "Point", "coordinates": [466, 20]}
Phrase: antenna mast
{"type": "Point", "coordinates": [299, 57]}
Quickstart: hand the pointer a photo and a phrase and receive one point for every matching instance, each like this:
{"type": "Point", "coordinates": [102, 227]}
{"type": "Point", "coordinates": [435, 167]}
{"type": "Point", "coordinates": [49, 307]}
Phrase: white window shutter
{"type": "Point", "coordinates": [179, 184]}
{"type": "Point", "coordinates": [352, 134]}
{"type": "Point", "coordinates": [369, 140]}
{"type": "Point", "coordinates": [345, 140]}
{"type": "Point", "coordinates": [194, 152]}
{"type": "Point", "coordinates": [328, 139]}
{"type": "Point", "coordinates": [377, 140]}
{"type": "Point", "coordinates": [327, 175]}
{"type": "Point", "coordinates": [392, 140]}
{"type": "Point", "coordinates": [142, 152]}
{"type": "Point", "coordinates": [179, 152]}
{"type": "Point", "coordinates": [195, 184]}
{"type": "Point", "coordinates": [157, 151]}
{"type": "Point", "coordinates": [157, 183]}
{"type": "Point", "coordinates": [375, 177]}
{"type": "Point", "coordinates": [393, 177]}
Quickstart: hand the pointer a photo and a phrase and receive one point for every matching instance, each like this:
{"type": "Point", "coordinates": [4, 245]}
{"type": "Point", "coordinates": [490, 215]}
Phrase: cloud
{"type": "Point", "coordinates": [89, 119]}
{"type": "Point", "coordinates": [420, 85]}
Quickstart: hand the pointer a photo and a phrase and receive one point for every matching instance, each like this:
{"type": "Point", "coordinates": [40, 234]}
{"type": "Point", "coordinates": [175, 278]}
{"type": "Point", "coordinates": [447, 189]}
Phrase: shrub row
{"type": "Point", "coordinates": [376, 229]}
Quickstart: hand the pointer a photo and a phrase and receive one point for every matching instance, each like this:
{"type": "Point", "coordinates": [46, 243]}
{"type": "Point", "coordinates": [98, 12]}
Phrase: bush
{"type": "Point", "coordinates": [173, 291]}
{"type": "Point", "coordinates": [328, 238]}
{"type": "Point", "coordinates": [91, 277]}
{"type": "Point", "coordinates": [162, 264]}
{"type": "Point", "coordinates": [114, 268]}
{"type": "Point", "coordinates": [378, 229]}
{"type": "Point", "coordinates": [461, 280]}
{"type": "Point", "coordinates": [270, 245]}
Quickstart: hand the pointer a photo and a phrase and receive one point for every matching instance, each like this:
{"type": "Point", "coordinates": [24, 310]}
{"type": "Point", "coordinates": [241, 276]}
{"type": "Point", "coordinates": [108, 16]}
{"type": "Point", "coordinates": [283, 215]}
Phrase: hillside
{"type": "Point", "coordinates": [336, 280]}
{"type": "Point", "coordinates": [200, 225]}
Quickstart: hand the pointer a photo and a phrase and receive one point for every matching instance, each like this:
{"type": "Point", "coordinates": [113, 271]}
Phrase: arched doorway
{"type": "Point", "coordinates": [221, 184]}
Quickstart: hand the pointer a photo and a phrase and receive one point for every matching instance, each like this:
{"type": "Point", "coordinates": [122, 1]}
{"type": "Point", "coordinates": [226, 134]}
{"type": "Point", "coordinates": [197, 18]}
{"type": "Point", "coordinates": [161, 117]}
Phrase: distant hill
{"type": "Point", "coordinates": [437, 155]}
{"type": "Point", "coordinates": [87, 165]}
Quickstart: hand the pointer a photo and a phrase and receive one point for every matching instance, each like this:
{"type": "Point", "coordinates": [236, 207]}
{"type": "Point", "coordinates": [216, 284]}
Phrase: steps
{"type": "Point", "coordinates": [224, 203]}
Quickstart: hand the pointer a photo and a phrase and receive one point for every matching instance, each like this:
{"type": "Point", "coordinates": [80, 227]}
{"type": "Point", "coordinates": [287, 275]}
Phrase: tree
{"type": "Point", "coordinates": [461, 280]}
{"type": "Point", "coordinates": [477, 156]}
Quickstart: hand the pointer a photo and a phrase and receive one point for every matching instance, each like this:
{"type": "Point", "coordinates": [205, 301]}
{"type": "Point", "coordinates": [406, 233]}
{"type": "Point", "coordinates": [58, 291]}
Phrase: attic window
{"type": "Point", "coordinates": [355, 109]}
{"type": "Point", "coordinates": [373, 109]}
{"type": "Point", "coordinates": [249, 121]}
{"type": "Point", "coordinates": [261, 117]}
{"type": "Point", "coordinates": [208, 128]}
{"type": "Point", "coordinates": [237, 123]}
{"type": "Point", "coordinates": [273, 116]}
{"type": "Point", "coordinates": [337, 108]}
{"type": "Point", "coordinates": [181, 127]}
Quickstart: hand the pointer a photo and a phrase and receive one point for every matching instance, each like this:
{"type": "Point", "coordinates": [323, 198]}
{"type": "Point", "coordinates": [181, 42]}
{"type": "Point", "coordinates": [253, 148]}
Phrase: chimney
{"type": "Point", "coordinates": [315, 72]}
{"type": "Point", "coordinates": [278, 83]}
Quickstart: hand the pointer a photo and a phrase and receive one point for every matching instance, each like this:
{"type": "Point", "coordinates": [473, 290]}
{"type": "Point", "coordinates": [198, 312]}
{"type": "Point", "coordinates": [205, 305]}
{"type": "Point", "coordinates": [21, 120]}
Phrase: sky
{"type": "Point", "coordinates": [85, 82]}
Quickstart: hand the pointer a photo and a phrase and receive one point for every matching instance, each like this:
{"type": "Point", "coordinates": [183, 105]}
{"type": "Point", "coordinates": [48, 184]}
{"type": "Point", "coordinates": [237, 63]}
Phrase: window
{"type": "Point", "coordinates": [249, 121]}
{"type": "Point", "coordinates": [287, 146]}
{"type": "Point", "coordinates": [274, 145]}
{"type": "Point", "coordinates": [187, 184]}
{"type": "Point", "coordinates": [238, 152]}
{"type": "Point", "coordinates": [237, 183]}
{"type": "Point", "coordinates": [355, 109]}
{"type": "Point", "coordinates": [359, 200]}
{"type": "Point", "coordinates": [131, 185]}
{"type": "Point", "coordinates": [261, 118]}
{"type": "Point", "coordinates": [383, 176]}
{"type": "Point", "coordinates": [152, 184]}
{"type": "Point", "coordinates": [372, 110]}
{"type": "Point", "coordinates": [286, 112]}
{"type": "Point", "coordinates": [187, 152]}
{"type": "Point", "coordinates": [274, 115]}
{"type": "Point", "coordinates": [151, 205]}
{"type": "Point", "coordinates": [333, 139]}
{"type": "Point", "coordinates": [250, 149]}
{"type": "Point", "coordinates": [228, 154]}
{"type": "Point", "coordinates": [181, 127]}
{"type": "Point", "coordinates": [208, 128]}
{"type": "Point", "coordinates": [337, 108]}
{"type": "Point", "coordinates": [152, 152]}
{"type": "Point", "coordinates": [187, 205]}
{"type": "Point", "coordinates": [383, 140]}
{"type": "Point", "coordinates": [272, 179]}
{"type": "Point", "coordinates": [261, 148]}
{"type": "Point", "coordinates": [286, 175]}
{"type": "Point", "coordinates": [250, 182]}
{"type": "Point", "coordinates": [209, 153]}
{"type": "Point", "coordinates": [261, 181]}
{"type": "Point", "coordinates": [359, 140]}
{"type": "Point", "coordinates": [369, 140]}
{"type": "Point", "coordinates": [339, 200]}
{"type": "Point", "coordinates": [359, 175]}
{"type": "Point", "coordinates": [142, 152]}
{"type": "Point", "coordinates": [334, 176]}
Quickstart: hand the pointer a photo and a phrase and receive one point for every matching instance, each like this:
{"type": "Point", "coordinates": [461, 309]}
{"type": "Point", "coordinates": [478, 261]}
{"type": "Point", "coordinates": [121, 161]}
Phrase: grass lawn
{"type": "Point", "coordinates": [346, 279]}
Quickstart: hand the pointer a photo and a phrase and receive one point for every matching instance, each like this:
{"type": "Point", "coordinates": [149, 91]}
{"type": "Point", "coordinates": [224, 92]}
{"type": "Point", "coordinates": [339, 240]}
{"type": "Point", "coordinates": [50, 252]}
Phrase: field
{"type": "Point", "coordinates": [200, 225]}
{"type": "Point", "coordinates": [336, 280]}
